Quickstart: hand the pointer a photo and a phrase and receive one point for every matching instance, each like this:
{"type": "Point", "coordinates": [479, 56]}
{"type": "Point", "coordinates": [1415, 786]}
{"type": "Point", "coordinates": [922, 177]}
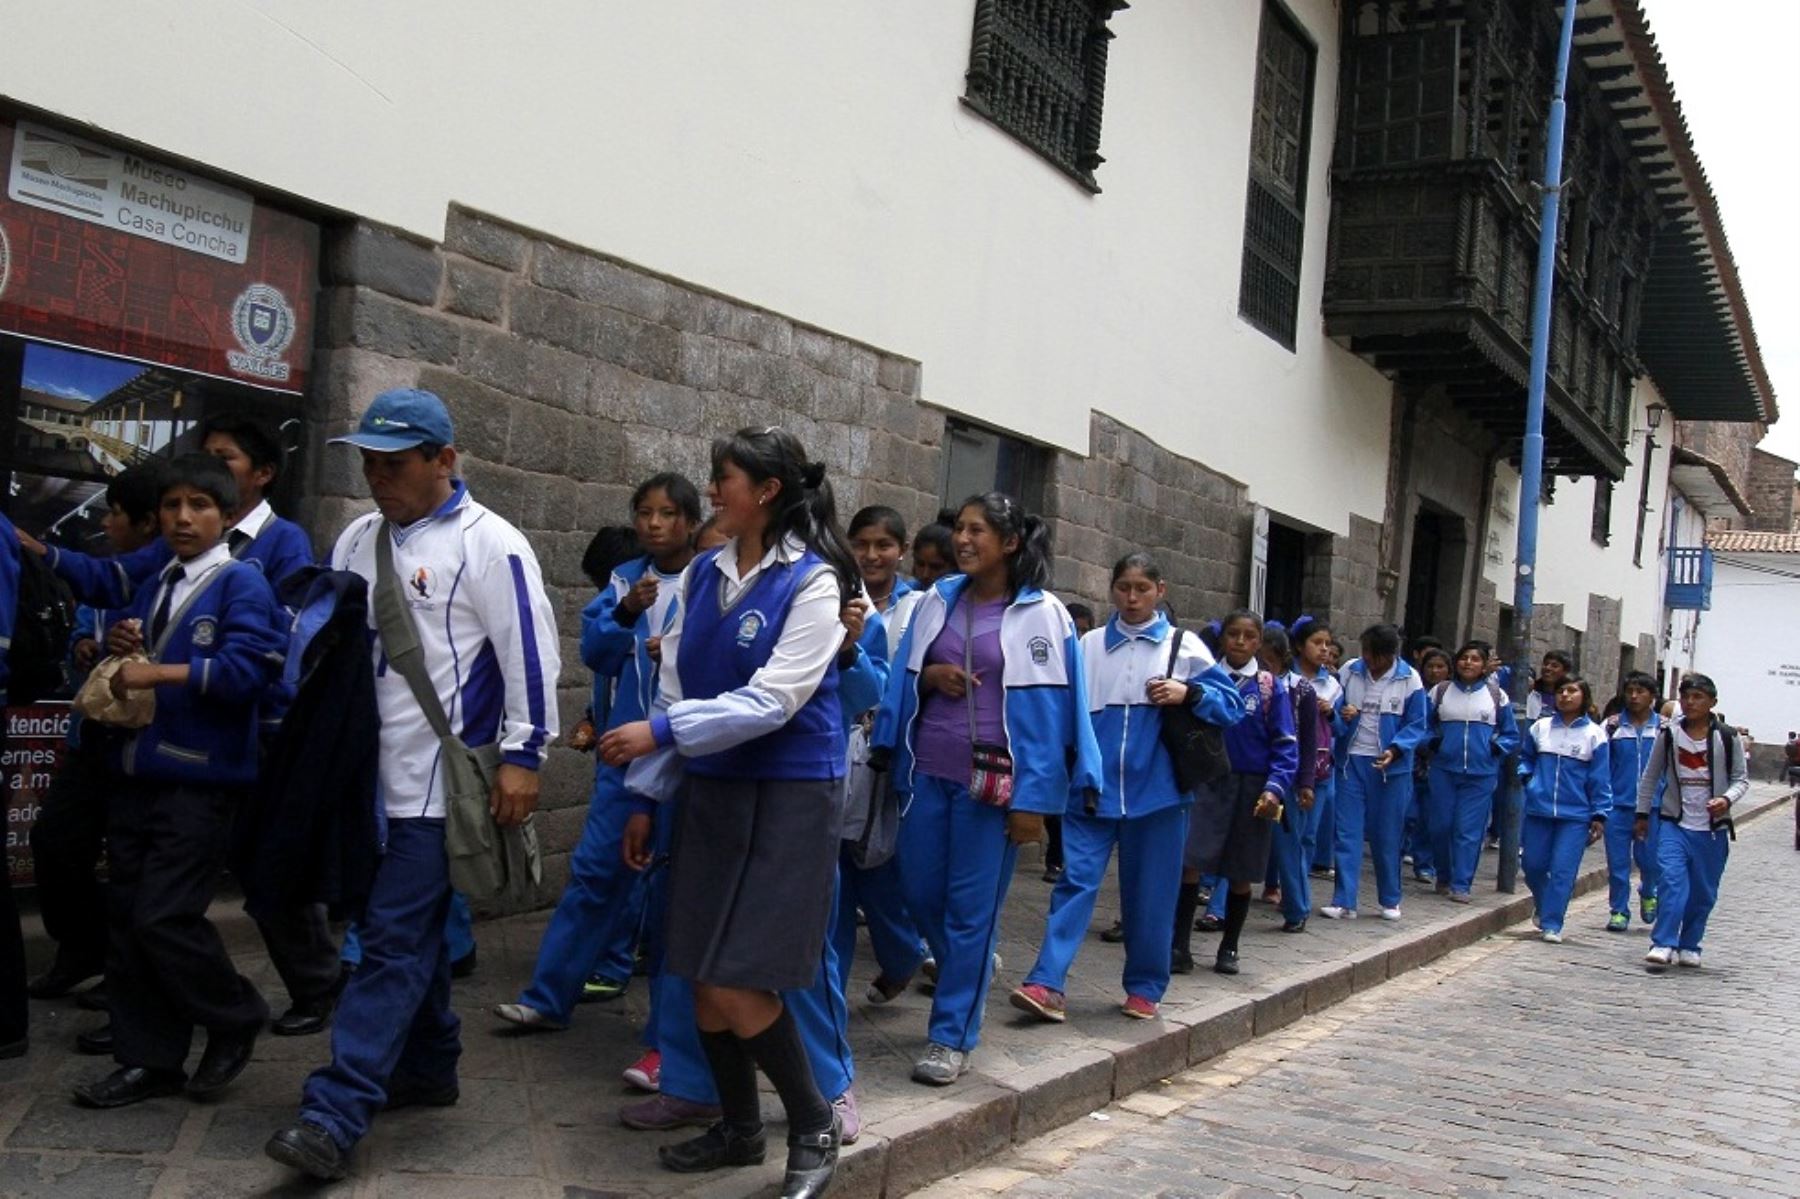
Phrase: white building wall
{"type": "Point", "coordinates": [811, 157]}
{"type": "Point", "coordinates": [1571, 564]}
{"type": "Point", "coordinates": [1743, 646]}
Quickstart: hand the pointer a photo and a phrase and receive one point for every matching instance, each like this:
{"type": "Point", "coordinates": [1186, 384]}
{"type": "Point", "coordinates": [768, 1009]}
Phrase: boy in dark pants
{"type": "Point", "coordinates": [209, 626]}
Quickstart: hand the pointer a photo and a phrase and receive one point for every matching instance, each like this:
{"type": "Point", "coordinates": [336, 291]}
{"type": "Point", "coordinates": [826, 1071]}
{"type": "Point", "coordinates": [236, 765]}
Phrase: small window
{"type": "Point", "coordinates": [1602, 530]}
{"type": "Point", "coordinates": [1037, 69]}
{"type": "Point", "coordinates": [981, 460]}
{"type": "Point", "coordinates": [1275, 211]}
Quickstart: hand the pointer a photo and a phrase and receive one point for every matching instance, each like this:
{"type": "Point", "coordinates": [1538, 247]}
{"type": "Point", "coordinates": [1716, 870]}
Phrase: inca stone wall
{"type": "Point", "coordinates": [1770, 491]}
{"type": "Point", "coordinates": [570, 377]}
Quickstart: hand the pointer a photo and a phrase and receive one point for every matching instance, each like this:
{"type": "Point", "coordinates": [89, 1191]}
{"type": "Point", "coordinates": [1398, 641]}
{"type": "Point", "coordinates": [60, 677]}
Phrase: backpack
{"type": "Point", "coordinates": [38, 660]}
{"type": "Point", "coordinates": [1196, 748]}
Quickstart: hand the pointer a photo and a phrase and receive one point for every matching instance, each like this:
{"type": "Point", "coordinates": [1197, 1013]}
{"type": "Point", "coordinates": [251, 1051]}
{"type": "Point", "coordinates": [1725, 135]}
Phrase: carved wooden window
{"type": "Point", "coordinates": [1274, 214]}
{"type": "Point", "coordinates": [1037, 69]}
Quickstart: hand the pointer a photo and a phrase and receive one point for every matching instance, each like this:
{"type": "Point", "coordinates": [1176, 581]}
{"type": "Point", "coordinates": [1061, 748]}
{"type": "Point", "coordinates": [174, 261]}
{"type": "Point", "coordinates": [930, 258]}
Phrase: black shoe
{"type": "Point", "coordinates": [410, 1092]}
{"type": "Point", "coordinates": [14, 1049]}
{"type": "Point", "coordinates": [96, 1042]}
{"type": "Point", "coordinates": [812, 1160]}
{"type": "Point", "coordinates": [1209, 923]}
{"type": "Point", "coordinates": [305, 1018]}
{"type": "Point", "coordinates": [227, 1053]}
{"type": "Point", "coordinates": [129, 1084]}
{"type": "Point", "coordinates": [719, 1146]}
{"type": "Point", "coordinates": [60, 979]}
{"type": "Point", "coordinates": [1115, 934]}
{"type": "Point", "coordinates": [1294, 926]}
{"type": "Point", "coordinates": [95, 999]}
{"type": "Point", "coordinates": [1181, 962]}
{"type": "Point", "coordinates": [308, 1149]}
{"type": "Point", "coordinates": [1053, 874]}
{"type": "Point", "coordinates": [1226, 962]}
{"type": "Point", "coordinates": [464, 966]}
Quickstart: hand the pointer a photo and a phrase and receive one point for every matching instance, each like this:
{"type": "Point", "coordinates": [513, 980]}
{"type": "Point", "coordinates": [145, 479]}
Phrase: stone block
{"type": "Point", "coordinates": [346, 379]}
{"type": "Point", "coordinates": [1369, 969]}
{"type": "Point", "coordinates": [492, 357]}
{"type": "Point", "coordinates": [357, 316]}
{"type": "Point", "coordinates": [485, 240]}
{"type": "Point", "coordinates": [474, 290]}
{"type": "Point", "coordinates": [505, 490]}
{"type": "Point", "coordinates": [836, 399]}
{"type": "Point", "coordinates": [970, 1124]}
{"type": "Point", "coordinates": [1161, 1055]}
{"type": "Point", "coordinates": [60, 1176]}
{"type": "Point", "coordinates": [697, 361]}
{"type": "Point", "coordinates": [553, 318]}
{"type": "Point", "coordinates": [1280, 1008]}
{"type": "Point", "coordinates": [482, 415]}
{"type": "Point", "coordinates": [599, 281]}
{"type": "Point", "coordinates": [595, 456]}
{"type": "Point", "coordinates": [562, 503]}
{"type": "Point", "coordinates": [1064, 1088]}
{"type": "Point", "coordinates": [557, 377]}
{"type": "Point", "coordinates": [636, 345]}
{"type": "Point", "coordinates": [380, 259]}
{"type": "Point", "coordinates": [1328, 986]}
{"type": "Point", "coordinates": [898, 374]}
{"type": "Point", "coordinates": [1217, 1027]}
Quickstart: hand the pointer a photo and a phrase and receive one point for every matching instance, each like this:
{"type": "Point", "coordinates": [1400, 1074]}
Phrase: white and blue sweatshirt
{"type": "Point", "coordinates": [1401, 698]}
{"type": "Point", "coordinates": [1566, 769]}
{"type": "Point", "coordinates": [1630, 747]}
{"type": "Point", "coordinates": [1136, 776]}
{"type": "Point", "coordinates": [1043, 703]}
{"type": "Point", "coordinates": [489, 641]}
{"type": "Point", "coordinates": [1472, 726]}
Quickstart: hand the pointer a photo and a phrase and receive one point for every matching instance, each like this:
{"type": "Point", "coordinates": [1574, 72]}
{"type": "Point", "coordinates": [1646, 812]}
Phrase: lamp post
{"type": "Point", "coordinates": [1652, 417]}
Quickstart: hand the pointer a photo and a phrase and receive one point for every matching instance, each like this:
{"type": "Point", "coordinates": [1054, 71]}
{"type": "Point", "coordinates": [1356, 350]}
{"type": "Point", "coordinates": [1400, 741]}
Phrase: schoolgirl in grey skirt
{"type": "Point", "coordinates": [749, 718]}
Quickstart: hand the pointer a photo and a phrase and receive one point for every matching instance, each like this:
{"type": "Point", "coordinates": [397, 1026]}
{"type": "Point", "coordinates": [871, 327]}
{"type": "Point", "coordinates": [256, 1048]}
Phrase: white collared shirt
{"type": "Point", "coordinates": [252, 523]}
{"type": "Point", "coordinates": [194, 572]}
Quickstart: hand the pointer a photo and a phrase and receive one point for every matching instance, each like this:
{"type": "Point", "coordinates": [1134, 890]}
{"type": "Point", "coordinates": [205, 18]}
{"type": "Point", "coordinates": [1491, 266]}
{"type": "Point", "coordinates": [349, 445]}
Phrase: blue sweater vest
{"type": "Point", "coordinates": [722, 647]}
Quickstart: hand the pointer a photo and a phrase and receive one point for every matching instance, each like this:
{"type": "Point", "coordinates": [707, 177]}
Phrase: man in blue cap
{"type": "Point", "coordinates": [490, 649]}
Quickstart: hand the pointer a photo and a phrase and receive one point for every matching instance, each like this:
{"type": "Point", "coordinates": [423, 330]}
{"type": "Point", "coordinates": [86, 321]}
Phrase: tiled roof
{"type": "Point", "coordinates": [1743, 541]}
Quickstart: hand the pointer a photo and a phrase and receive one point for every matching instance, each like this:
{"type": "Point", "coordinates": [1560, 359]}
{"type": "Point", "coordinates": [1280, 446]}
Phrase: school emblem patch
{"type": "Point", "coordinates": [750, 626]}
{"type": "Point", "coordinates": [1040, 650]}
{"type": "Point", "coordinates": [205, 632]}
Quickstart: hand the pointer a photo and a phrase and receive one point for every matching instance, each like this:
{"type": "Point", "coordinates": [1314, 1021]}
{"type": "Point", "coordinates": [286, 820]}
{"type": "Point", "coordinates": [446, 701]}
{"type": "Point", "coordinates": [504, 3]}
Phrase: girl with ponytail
{"type": "Point", "coordinates": [748, 721]}
{"type": "Point", "coordinates": [985, 719]}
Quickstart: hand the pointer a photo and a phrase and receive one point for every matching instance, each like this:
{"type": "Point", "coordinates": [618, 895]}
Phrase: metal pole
{"type": "Point", "coordinates": [1531, 457]}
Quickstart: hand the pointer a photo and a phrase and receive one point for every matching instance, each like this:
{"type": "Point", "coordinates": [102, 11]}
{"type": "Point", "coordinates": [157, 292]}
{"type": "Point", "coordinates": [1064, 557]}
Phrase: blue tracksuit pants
{"type": "Point", "coordinates": [1373, 806]}
{"type": "Point", "coordinates": [892, 934]}
{"type": "Point", "coordinates": [819, 1013]}
{"type": "Point", "coordinates": [1150, 848]}
{"type": "Point", "coordinates": [956, 863]}
{"type": "Point", "coordinates": [1292, 851]}
{"type": "Point", "coordinates": [1621, 850]}
{"type": "Point", "coordinates": [1460, 804]}
{"type": "Point", "coordinates": [1420, 838]}
{"type": "Point", "coordinates": [394, 1019]}
{"type": "Point", "coordinates": [595, 927]}
{"type": "Point", "coordinates": [1550, 855]}
{"type": "Point", "coordinates": [459, 933]}
{"type": "Point", "coordinates": [1323, 850]}
{"type": "Point", "coordinates": [1692, 862]}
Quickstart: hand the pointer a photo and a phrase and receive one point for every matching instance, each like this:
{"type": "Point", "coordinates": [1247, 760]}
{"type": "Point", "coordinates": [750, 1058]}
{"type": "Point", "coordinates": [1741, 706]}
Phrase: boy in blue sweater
{"type": "Point", "coordinates": [1631, 733]}
{"type": "Point", "coordinates": [209, 626]}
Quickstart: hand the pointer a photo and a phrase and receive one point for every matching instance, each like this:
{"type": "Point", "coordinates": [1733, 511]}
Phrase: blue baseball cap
{"type": "Point", "coordinates": [400, 420]}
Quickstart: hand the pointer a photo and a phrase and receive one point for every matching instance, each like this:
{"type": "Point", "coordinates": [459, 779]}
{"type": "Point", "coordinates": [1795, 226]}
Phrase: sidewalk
{"type": "Point", "coordinates": [537, 1112]}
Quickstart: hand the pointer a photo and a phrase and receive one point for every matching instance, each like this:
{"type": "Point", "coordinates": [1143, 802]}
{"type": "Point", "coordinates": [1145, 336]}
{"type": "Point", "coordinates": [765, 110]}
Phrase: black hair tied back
{"type": "Point", "coordinates": [813, 477]}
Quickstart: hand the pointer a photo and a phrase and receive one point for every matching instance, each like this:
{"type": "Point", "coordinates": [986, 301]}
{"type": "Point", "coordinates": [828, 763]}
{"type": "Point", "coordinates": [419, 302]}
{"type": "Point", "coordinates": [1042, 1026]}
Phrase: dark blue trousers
{"type": "Point", "coordinates": [394, 1019]}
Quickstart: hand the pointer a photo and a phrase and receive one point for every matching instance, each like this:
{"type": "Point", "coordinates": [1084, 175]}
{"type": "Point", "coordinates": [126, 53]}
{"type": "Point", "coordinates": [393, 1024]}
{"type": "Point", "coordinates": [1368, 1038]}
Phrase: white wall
{"type": "Point", "coordinates": [1571, 564]}
{"type": "Point", "coordinates": [1743, 644]}
{"type": "Point", "coordinates": [811, 157]}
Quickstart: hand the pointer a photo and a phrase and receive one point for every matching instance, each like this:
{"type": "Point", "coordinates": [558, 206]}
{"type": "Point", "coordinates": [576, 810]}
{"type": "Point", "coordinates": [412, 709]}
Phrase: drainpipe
{"type": "Point", "coordinates": [1531, 458]}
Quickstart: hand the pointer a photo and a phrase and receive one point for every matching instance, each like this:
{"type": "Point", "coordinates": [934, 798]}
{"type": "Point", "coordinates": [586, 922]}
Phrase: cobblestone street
{"type": "Point", "coordinates": [1508, 1068]}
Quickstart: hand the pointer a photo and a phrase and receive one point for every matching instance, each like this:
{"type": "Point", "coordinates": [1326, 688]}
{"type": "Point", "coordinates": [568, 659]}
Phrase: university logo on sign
{"type": "Point", "coordinates": [263, 323]}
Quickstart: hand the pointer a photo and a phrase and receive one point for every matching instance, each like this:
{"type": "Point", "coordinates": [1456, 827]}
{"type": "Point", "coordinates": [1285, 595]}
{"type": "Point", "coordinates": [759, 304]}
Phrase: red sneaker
{"type": "Point", "coordinates": [1041, 1002]}
{"type": "Point", "coordinates": [646, 1073]}
{"type": "Point", "coordinates": [1139, 1008]}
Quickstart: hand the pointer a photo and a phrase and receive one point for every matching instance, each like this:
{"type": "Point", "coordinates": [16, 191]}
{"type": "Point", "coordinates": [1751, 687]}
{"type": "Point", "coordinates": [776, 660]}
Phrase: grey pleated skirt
{"type": "Point", "coordinates": [1224, 835]}
{"type": "Point", "coordinates": [753, 881]}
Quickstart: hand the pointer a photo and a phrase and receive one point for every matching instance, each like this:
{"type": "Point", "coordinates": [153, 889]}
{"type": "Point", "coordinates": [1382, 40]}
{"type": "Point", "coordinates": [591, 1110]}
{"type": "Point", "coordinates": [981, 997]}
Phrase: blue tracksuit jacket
{"type": "Point", "coordinates": [1403, 721]}
{"type": "Point", "coordinates": [1471, 726]}
{"type": "Point", "coordinates": [1566, 769]}
{"type": "Point", "coordinates": [1043, 701]}
{"type": "Point", "coordinates": [1629, 749]}
{"type": "Point", "coordinates": [1136, 777]}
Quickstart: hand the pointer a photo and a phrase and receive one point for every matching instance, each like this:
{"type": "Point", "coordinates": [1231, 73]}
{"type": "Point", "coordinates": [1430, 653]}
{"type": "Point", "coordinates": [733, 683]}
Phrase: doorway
{"type": "Point", "coordinates": [1435, 575]}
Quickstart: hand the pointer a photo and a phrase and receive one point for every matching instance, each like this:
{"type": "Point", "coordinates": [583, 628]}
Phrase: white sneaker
{"type": "Point", "coordinates": [527, 1017]}
{"type": "Point", "coordinates": [1390, 913]}
{"type": "Point", "coordinates": [1553, 936]}
{"type": "Point", "coordinates": [1689, 958]}
{"type": "Point", "coordinates": [1334, 912]}
{"type": "Point", "coordinates": [941, 1065]}
{"type": "Point", "coordinates": [1659, 959]}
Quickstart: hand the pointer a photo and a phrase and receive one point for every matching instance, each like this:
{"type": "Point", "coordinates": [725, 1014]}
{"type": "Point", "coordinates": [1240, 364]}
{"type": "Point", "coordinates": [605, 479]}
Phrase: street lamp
{"type": "Point", "coordinates": [1653, 418]}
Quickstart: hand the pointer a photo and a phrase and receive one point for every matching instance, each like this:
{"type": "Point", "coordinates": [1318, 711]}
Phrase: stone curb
{"type": "Point", "coordinates": [973, 1122]}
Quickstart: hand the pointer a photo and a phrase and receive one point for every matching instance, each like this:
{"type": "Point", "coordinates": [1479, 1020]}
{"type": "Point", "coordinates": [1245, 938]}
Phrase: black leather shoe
{"type": "Point", "coordinates": [717, 1147]}
{"type": "Point", "coordinates": [227, 1053]}
{"type": "Point", "coordinates": [1293, 926]}
{"type": "Point", "coordinates": [308, 1149]}
{"type": "Point", "coordinates": [305, 1018]}
{"type": "Point", "coordinates": [1226, 962]}
{"type": "Point", "coordinates": [1181, 962]}
{"type": "Point", "coordinates": [59, 980]}
{"type": "Point", "coordinates": [129, 1084]}
{"type": "Point", "coordinates": [812, 1160]}
{"type": "Point", "coordinates": [95, 999]}
{"type": "Point", "coordinates": [465, 965]}
{"type": "Point", "coordinates": [96, 1042]}
{"type": "Point", "coordinates": [1115, 934]}
{"type": "Point", "coordinates": [410, 1092]}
